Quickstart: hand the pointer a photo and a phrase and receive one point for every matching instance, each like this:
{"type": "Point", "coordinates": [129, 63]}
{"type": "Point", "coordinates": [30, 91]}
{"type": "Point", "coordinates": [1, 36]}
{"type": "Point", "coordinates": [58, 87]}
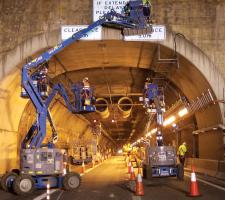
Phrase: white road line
{"type": "Point", "coordinates": [42, 196]}
{"type": "Point", "coordinates": [136, 197]}
{"type": "Point", "coordinates": [89, 170]}
{"type": "Point", "coordinates": [208, 183]}
{"type": "Point", "coordinates": [60, 195]}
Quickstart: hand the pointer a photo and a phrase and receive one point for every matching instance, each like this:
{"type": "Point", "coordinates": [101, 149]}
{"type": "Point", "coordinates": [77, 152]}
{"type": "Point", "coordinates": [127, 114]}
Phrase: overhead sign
{"type": "Point", "coordinates": [159, 33]}
{"type": "Point", "coordinates": [101, 7]}
{"type": "Point", "coordinates": [68, 31]}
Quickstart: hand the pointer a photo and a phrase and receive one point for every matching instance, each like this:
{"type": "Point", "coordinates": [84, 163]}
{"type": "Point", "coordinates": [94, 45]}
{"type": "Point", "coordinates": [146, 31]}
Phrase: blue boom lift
{"type": "Point", "coordinates": [160, 160]}
{"type": "Point", "coordinates": [42, 164]}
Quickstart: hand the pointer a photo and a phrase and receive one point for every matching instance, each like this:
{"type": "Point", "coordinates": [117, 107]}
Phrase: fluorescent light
{"type": "Point", "coordinates": [183, 112]}
{"type": "Point", "coordinates": [120, 151]}
{"type": "Point", "coordinates": [169, 121]}
{"type": "Point", "coordinates": [148, 134]}
{"type": "Point", "coordinates": [153, 130]}
{"type": "Point", "coordinates": [174, 125]}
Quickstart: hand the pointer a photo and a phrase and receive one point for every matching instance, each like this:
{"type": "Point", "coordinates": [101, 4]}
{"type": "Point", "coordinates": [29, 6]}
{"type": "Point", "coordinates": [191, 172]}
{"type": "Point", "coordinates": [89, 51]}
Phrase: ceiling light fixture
{"type": "Point", "coordinates": [148, 134]}
{"type": "Point", "coordinates": [169, 121]}
{"type": "Point", "coordinates": [174, 125]}
{"type": "Point", "coordinates": [183, 112]}
{"type": "Point", "coordinates": [153, 130]}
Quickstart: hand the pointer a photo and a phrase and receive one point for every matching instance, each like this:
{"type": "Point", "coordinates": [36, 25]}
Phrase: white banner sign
{"type": "Point", "coordinates": [100, 7]}
{"type": "Point", "coordinates": [68, 31]}
{"type": "Point", "coordinates": [159, 33]}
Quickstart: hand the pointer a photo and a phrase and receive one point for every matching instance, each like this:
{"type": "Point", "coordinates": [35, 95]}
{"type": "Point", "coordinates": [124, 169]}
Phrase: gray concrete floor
{"type": "Point", "coordinates": [110, 181]}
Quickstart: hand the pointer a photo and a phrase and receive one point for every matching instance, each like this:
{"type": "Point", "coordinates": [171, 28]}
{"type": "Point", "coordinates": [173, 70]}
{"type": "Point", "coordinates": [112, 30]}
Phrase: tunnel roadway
{"type": "Point", "coordinates": [109, 180]}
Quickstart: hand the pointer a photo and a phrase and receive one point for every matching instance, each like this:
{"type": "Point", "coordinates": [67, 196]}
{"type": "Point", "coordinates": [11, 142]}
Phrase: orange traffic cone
{"type": "Point", "coordinates": [139, 170]}
{"type": "Point", "coordinates": [194, 192]}
{"type": "Point", "coordinates": [139, 186]}
{"type": "Point", "coordinates": [132, 174]}
{"type": "Point", "coordinates": [83, 167]}
{"type": "Point", "coordinates": [129, 167]}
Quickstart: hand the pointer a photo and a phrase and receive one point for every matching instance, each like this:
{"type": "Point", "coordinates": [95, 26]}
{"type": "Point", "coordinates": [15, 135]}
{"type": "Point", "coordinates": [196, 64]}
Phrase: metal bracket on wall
{"type": "Point", "coordinates": [167, 60]}
{"type": "Point", "coordinates": [158, 65]}
{"type": "Point", "coordinates": [173, 60]}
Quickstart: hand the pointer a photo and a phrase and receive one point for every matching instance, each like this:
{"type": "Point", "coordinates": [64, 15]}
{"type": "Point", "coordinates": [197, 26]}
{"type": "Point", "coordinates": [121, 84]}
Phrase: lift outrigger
{"type": "Point", "coordinates": [42, 164]}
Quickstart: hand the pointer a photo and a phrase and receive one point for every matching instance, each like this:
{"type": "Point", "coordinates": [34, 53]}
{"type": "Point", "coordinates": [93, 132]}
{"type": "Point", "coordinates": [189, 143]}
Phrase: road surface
{"type": "Point", "coordinates": [109, 180]}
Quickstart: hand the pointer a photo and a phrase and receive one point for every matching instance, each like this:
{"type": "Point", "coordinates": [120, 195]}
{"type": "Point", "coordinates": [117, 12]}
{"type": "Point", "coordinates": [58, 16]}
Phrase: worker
{"type": "Point", "coordinates": [182, 150]}
{"type": "Point", "coordinates": [43, 81]}
{"type": "Point", "coordinates": [145, 92]}
{"type": "Point", "coordinates": [86, 84]}
{"type": "Point", "coordinates": [147, 82]}
{"type": "Point", "coordinates": [126, 9]}
{"type": "Point", "coordinates": [147, 9]}
{"type": "Point", "coordinates": [85, 93]}
{"type": "Point", "coordinates": [150, 100]}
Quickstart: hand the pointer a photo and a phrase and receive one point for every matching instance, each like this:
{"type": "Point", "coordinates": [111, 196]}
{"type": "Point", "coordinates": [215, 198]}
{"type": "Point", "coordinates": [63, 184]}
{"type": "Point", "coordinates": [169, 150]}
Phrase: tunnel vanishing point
{"type": "Point", "coordinates": [187, 64]}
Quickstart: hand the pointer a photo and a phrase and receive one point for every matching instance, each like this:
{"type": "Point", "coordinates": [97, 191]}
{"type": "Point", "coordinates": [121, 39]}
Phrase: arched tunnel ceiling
{"type": "Point", "coordinates": [118, 68]}
{"type": "Point", "coordinates": [124, 65]}
{"type": "Point", "coordinates": [119, 60]}
{"type": "Point", "coordinates": [102, 54]}
{"type": "Point", "coordinates": [112, 84]}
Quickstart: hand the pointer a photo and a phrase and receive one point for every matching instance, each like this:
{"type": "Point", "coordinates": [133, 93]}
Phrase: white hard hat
{"type": "Point", "coordinates": [86, 78]}
{"type": "Point", "coordinates": [184, 143]}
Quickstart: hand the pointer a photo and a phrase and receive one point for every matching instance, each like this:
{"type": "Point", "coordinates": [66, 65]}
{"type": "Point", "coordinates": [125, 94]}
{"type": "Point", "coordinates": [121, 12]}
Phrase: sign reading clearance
{"type": "Point", "coordinates": [68, 31]}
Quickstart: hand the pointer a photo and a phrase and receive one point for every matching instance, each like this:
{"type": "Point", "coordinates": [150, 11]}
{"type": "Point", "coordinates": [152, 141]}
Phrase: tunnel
{"type": "Point", "coordinates": [185, 67]}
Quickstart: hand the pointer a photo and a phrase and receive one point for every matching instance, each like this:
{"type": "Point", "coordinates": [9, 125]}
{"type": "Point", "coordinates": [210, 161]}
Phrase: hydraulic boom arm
{"type": "Point", "coordinates": [35, 136]}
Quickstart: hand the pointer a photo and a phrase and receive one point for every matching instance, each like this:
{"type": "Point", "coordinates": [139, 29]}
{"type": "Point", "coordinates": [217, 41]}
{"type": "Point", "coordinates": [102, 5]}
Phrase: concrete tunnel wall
{"type": "Point", "coordinates": [14, 52]}
{"type": "Point", "coordinates": [12, 83]}
{"type": "Point", "coordinates": [23, 19]}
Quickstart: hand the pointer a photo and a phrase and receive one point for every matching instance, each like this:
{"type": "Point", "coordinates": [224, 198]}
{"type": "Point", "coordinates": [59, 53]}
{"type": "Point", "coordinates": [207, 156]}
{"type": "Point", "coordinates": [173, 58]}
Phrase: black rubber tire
{"type": "Point", "coordinates": [71, 181]}
{"type": "Point", "coordinates": [70, 159]}
{"type": "Point", "coordinates": [147, 172]}
{"type": "Point", "coordinates": [8, 187]}
{"type": "Point", "coordinates": [17, 171]}
{"type": "Point", "coordinates": [180, 172]}
{"type": "Point", "coordinates": [21, 182]}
